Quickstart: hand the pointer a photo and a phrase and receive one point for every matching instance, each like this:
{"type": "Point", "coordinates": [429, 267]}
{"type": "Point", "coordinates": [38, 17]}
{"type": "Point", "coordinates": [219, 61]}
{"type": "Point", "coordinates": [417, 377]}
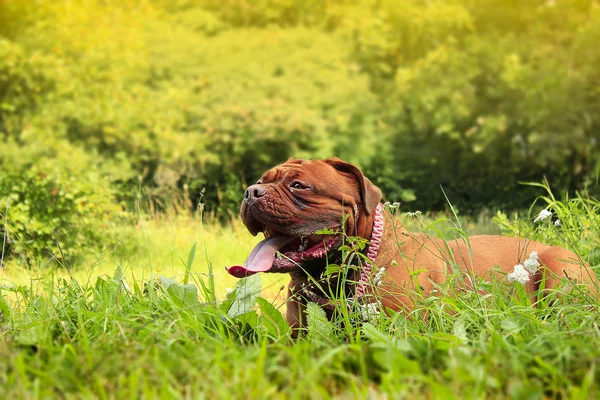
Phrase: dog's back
{"type": "Point", "coordinates": [421, 262]}
{"type": "Point", "coordinates": [484, 253]}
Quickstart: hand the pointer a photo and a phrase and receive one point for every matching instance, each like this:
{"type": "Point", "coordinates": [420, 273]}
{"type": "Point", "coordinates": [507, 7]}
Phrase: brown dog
{"type": "Point", "coordinates": [292, 201]}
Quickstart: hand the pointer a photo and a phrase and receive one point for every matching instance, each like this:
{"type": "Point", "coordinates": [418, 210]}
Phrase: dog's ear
{"type": "Point", "coordinates": [369, 193]}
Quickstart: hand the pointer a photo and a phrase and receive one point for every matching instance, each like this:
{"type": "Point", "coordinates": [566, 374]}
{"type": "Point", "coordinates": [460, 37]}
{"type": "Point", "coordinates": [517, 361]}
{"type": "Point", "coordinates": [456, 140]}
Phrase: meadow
{"type": "Point", "coordinates": [130, 129]}
{"type": "Point", "coordinates": [166, 321]}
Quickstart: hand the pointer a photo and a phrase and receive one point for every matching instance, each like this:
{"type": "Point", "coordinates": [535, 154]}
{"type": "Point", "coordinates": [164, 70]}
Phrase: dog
{"type": "Point", "coordinates": [294, 200]}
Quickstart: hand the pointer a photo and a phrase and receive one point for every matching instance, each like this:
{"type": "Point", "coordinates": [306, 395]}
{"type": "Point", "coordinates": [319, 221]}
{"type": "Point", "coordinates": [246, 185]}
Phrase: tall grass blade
{"type": "Point", "coordinates": [188, 265]}
{"type": "Point", "coordinates": [5, 233]}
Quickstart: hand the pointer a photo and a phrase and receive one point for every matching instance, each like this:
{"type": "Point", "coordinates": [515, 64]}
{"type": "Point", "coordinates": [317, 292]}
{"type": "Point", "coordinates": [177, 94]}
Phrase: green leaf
{"type": "Point", "coordinates": [390, 352]}
{"type": "Point", "coordinates": [225, 305]}
{"type": "Point", "coordinates": [331, 269]}
{"type": "Point", "coordinates": [247, 290]}
{"type": "Point", "coordinates": [317, 323]}
{"type": "Point", "coordinates": [374, 334]}
{"type": "Point", "coordinates": [119, 275]}
{"type": "Point", "coordinates": [385, 340]}
{"type": "Point", "coordinates": [119, 278]}
{"type": "Point", "coordinates": [272, 320]}
{"type": "Point", "coordinates": [511, 325]}
{"type": "Point", "coordinates": [183, 295]}
{"type": "Point", "coordinates": [247, 321]}
{"type": "Point", "coordinates": [5, 309]}
{"type": "Point", "coordinates": [31, 336]}
{"type": "Point", "coordinates": [460, 331]}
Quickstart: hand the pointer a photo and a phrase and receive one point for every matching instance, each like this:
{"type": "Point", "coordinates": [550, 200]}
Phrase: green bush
{"type": "Point", "coordinates": [213, 111]}
{"type": "Point", "coordinates": [25, 79]}
{"type": "Point", "coordinates": [56, 216]}
{"type": "Point", "coordinates": [451, 93]}
{"type": "Point", "coordinates": [481, 96]}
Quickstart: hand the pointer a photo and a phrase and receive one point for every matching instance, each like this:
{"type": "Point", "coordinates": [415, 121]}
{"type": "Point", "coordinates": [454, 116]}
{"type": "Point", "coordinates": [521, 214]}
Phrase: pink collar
{"type": "Point", "coordinates": [374, 244]}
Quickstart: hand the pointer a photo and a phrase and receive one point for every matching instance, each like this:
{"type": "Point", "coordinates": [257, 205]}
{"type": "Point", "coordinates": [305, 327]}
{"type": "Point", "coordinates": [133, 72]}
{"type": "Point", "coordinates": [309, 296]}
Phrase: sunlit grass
{"type": "Point", "coordinates": [161, 246]}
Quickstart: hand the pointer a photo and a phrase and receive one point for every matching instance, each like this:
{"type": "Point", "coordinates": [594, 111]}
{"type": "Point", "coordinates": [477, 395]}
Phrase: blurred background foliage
{"type": "Point", "coordinates": [100, 100]}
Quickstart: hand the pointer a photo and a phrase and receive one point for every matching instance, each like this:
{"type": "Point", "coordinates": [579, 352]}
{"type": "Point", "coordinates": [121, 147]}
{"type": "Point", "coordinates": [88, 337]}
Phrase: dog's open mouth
{"type": "Point", "coordinates": [281, 252]}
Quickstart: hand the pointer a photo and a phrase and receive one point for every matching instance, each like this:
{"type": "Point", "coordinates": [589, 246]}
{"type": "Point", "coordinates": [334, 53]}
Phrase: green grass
{"type": "Point", "coordinates": [116, 328]}
{"type": "Point", "coordinates": [160, 247]}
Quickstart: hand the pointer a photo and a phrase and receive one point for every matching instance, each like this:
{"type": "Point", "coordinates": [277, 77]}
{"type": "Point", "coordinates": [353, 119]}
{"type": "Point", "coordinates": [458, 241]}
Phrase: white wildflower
{"type": "Point", "coordinates": [519, 274]}
{"type": "Point", "coordinates": [369, 311]}
{"type": "Point", "coordinates": [228, 290]}
{"type": "Point", "coordinates": [415, 214]}
{"type": "Point", "coordinates": [378, 276]}
{"type": "Point", "coordinates": [557, 223]}
{"type": "Point", "coordinates": [395, 206]}
{"type": "Point", "coordinates": [532, 264]}
{"type": "Point", "coordinates": [542, 215]}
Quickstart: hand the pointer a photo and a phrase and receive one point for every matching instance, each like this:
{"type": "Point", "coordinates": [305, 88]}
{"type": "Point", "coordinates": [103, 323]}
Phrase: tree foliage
{"type": "Point", "coordinates": [475, 96]}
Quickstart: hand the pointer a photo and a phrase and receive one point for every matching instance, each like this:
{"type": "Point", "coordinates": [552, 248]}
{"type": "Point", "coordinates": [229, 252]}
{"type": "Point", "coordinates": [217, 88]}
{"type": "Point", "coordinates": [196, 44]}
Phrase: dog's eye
{"type": "Point", "coordinates": [299, 185]}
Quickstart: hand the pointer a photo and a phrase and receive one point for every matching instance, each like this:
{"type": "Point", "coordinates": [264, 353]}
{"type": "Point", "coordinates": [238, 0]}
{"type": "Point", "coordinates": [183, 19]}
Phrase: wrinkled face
{"type": "Point", "coordinates": [293, 201]}
{"type": "Point", "coordinates": [299, 199]}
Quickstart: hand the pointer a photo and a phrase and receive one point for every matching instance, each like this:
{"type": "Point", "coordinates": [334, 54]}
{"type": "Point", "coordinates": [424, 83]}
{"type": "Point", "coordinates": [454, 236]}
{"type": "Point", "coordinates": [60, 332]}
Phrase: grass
{"type": "Point", "coordinates": [117, 328]}
{"type": "Point", "coordinates": [161, 247]}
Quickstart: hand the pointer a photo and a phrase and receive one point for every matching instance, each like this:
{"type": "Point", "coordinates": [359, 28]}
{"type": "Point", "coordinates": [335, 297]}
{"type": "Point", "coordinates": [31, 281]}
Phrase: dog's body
{"type": "Point", "coordinates": [480, 256]}
{"type": "Point", "coordinates": [294, 200]}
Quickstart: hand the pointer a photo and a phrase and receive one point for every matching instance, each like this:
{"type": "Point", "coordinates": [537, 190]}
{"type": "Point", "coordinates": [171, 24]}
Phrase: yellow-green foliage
{"type": "Point", "coordinates": [57, 217]}
{"type": "Point", "coordinates": [176, 96]}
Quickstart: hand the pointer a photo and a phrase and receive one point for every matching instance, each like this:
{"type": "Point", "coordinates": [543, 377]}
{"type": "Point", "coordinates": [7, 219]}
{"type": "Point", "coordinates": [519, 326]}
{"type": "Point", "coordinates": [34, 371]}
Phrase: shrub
{"type": "Point", "coordinates": [480, 97]}
{"type": "Point", "coordinates": [214, 109]}
{"type": "Point", "coordinates": [45, 210]}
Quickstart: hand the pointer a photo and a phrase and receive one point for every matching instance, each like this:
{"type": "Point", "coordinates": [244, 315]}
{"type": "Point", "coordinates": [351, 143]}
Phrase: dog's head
{"type": "Point", "coordinates": [293, 201]}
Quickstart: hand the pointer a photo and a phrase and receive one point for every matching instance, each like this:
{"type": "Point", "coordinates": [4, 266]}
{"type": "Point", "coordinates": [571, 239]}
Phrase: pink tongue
{"type": "Point", "coordinates": [262, 256]}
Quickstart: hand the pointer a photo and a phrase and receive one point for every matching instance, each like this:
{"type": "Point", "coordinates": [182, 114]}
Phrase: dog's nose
{"type": "Point", "coordinates": [254, 192]}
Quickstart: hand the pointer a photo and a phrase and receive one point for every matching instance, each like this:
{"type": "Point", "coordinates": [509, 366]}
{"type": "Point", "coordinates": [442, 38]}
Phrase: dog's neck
{"type": "Point", "coordinates": [374, 244]}
{"type": "Point", "coordinates": [307, 286]}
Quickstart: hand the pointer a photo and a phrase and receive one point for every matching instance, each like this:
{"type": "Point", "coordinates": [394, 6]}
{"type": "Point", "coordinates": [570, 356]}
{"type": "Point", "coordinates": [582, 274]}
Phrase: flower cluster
{"type": "Point", "coordinates": [532, 264]}
{"type": "Point", "coordinates": [416, 214]}
{"type": "Point", "coordinates": [370, 311]}
{"type": "Point", "coordinates": [542, 216]}
{"type": "Point", "coordinates": [521, 272]}
{"type": "Point", "coordinates": [378, 276]}
{"type": "Point", "coordinates": [395, 206]}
